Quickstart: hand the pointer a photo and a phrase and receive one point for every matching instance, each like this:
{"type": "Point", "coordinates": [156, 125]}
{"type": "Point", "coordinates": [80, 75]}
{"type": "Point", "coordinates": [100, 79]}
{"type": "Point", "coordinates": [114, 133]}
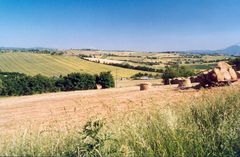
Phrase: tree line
{"type": "Point", "coordinates": [236, 63]}
{"type": "Point", "coordinates": [176, 71]}
{"type": "Point", "coordinates": [143, 68]}
{"type": "Point", "coordinates": [15, 84]}
{"type": "Point", "coordinates": [149, 75]}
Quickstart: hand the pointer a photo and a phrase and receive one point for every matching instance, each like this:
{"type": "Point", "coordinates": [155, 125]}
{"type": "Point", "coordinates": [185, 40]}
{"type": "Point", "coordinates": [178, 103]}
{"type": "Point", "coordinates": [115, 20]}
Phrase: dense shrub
{"type": "Point", "coordinates": [236, 63]}
{"type": "Point", "coordinates": [149, 75]}
{"type": "Point", "coordinates": [41, 84]}
{"type": "Point", "coordinates": [177, 71]}
{"type": "Point", "coordinates": [138, 75]}
{"type": "Point", "coordinates": [76, 81]}
{"type": "Point", "coordinates": [1, 87]}
{"type": "Point", "coordinates": [16, 84]}
{"type": "Point", "coordinates": [105, 79]}
{"type": "Point", "coordinates": [21, 84]}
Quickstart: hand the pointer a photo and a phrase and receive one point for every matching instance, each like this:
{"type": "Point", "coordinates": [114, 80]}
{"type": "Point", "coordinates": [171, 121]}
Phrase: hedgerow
{"type": "Point", "coordinates": [12, 83]}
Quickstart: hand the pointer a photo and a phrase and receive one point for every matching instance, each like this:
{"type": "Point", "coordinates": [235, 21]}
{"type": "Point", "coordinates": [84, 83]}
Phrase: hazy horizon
{"type": "Point", "coordinates": [137, 25]}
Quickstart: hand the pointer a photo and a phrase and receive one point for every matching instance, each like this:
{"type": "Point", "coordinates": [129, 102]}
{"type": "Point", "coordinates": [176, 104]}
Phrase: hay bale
{"type": "Point", "coordinates": [194, 79]}
{"type": "Point", "coordinates": [167, 81]}
{"type": "Point", "coordinates": [227, 71]}
{"type": "Point", "coordinates": [145, 86]}
{"type": "Point", "coordinates": [238, 74]}
{"type": "Point", "coordinates": [223, 66]}
{"type": "Point", "coordinates": [98, 86]}
{"type": "Point", "coordinates": [233, 74]}
{"type": "Point", "coordinates": [216, 75]}
{"type": "Point", "coordinates": [177, 80]}
{"type": "Point", "coordinates": [226, 74]}
{"type": "Point", "coordinates": [201, 78]}
{"type": "Point", "coordinates": [220, 75]}
{"type": "Point", "coordinates": [185, 83]}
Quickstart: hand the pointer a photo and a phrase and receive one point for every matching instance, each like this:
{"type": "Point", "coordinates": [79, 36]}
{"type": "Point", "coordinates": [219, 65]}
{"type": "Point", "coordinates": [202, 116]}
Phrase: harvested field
{"type": "Point", "coordinates": [130, 83]}
{"type": "Point", "coordinates": [53, 65]}
{"type": "Point", "coordinates": [107, 61]}
{"type": "Point", "coordinates": [77, 107]}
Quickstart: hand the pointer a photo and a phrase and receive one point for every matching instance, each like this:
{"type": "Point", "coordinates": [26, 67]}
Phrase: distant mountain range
{"type": "Point", "coordinates": [231, 50]}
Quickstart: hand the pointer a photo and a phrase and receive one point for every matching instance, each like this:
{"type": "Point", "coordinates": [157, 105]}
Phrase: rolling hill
{"type": "Point", "coordinates": [53, 65]}
{"type": "Point", "coordinates": [231, 50]}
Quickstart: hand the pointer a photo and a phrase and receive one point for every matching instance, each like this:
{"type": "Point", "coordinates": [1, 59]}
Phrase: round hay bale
{"type": "Point", "coordinates": [167, 81]}
{"type": "Point", "coordinates": [98, 86]}
{"type": "Point", "coordinates": [185, 83]}
{"type": "Point", "coordinates": [216, 75]}
{"type": "Point", "coordinates": [238, 74]}
{"type": "Point", "coordinates": [177, 80]}
{"type": "Point", "coordinates": [145, 86]}
{"type": "Point", "coordinates": [223, 65]}
{"type": "Point", "coordinates": [233, 74]}
{"type": "Point", "coordinates": [170, 81]}
{"type": "Point", "coordinates": [222, 73]}
{"type": "Point", "coordinates": [194, 79]}
{"type": "Point", "coordinates": [174, 81]}
{"type": "Point", "coordinates": [226, 74]}
{"type": "Point", "coordinates": [227, 71]}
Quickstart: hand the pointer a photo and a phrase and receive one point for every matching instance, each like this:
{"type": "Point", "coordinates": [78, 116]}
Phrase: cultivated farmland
{"type": "Point", "coordinates": [53, 65]}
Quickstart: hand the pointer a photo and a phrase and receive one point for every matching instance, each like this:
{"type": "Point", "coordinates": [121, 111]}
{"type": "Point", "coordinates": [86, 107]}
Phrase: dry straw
{"type": "Point", "coordinates": [145, 86]}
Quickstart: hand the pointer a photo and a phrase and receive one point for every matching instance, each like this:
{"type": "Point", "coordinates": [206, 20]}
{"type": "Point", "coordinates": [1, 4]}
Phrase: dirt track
{"type": "Point", "coordinates": [66, 107]}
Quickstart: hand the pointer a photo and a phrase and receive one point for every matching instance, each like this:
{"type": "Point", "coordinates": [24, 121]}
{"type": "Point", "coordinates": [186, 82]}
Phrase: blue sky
{"type": "Point", "coordinates": [142, 25]}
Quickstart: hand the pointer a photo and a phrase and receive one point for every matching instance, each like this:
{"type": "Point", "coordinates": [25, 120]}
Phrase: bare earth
{"type": "Point", "coordinates": [79, 106]}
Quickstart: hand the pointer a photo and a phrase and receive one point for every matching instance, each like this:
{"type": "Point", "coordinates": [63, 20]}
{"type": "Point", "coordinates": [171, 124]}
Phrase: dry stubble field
{"type": "Point", "coordinates": [75, 108]}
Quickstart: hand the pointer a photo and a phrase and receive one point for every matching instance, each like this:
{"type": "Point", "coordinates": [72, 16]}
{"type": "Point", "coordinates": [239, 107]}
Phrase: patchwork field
{"type": "Point", "coordinates": [53, 65]}
{"type": "Point", "coordinates": [160, 60]}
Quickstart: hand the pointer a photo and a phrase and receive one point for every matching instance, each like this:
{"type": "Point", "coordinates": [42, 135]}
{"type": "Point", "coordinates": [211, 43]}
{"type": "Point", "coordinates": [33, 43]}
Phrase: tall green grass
{"type": "Point", "coordinates": [208, 126]}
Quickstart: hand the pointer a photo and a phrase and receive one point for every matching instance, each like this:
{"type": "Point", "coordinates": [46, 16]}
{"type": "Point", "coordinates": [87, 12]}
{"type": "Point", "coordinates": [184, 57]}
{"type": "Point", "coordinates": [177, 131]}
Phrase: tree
{"type": "Point", "coordinates": [21, 84]}
{"type": "Point", "coordinates": [105, 79]}
{"type": "Point", "coordinates": [77, 81]}
{"type": "Point", "coordinates": [41, 84]}
{"type": "Point", "coordinates": [176, 71]}
{"type": "Point", "coordinates": [169, 72]}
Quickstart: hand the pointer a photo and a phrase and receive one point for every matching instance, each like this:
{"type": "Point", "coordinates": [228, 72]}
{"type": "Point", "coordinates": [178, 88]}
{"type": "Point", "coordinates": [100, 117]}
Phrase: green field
{"type": "Point", "coordinates": [52, 65]}
{"type": "Point", "coordinates": [201, 66]}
